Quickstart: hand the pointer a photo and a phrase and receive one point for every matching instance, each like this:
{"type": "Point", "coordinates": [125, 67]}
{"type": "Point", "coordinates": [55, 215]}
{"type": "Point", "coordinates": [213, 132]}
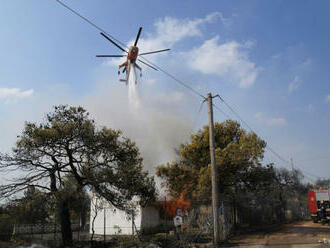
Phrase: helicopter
{"type": "Point", "coordinates": [132, 57]}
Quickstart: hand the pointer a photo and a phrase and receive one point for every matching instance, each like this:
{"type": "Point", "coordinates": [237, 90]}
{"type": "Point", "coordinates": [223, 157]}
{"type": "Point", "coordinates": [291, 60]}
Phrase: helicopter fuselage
{"type": "Point", "coordinates": [133, 53]}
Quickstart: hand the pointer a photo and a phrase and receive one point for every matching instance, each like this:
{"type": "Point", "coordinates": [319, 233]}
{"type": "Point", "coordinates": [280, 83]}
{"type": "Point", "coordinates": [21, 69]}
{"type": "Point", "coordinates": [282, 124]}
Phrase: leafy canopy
{"type": "Point", "coordinates": [68, 143]}
{"type": "Point", "coordinates": [238, 156]}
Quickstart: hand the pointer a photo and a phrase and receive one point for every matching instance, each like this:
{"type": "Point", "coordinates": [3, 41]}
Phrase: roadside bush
{"type": "Point", "coordinates": [6, 227]}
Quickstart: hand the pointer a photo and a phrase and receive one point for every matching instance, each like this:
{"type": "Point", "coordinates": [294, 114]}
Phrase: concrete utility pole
{"type": "Point", "coordinates": [292, 167]}
{"type": "Point", "coordinates": [104, 224]}
{"type": "Point", "coordinates": [215, 197]}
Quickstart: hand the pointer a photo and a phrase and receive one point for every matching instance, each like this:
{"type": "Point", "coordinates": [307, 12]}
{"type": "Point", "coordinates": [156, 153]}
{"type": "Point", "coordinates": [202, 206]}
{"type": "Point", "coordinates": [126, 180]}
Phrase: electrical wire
{"type": "Point", "coordinates": [90, 22]}
{"type": "Point", "coordinates": [198, 114]}
{"type": "Point", "coordinates": [180, 82]}
{"type": "Point", "coordinates": [250, 128]}
{"type": "Point", "coordinates": [174, 78]}
{"type": "Point", "coordinates": [221, 111]}
{"type": "Point", "coordinates": [268, 147]}
{"type": "Point", "coordinates": [102, 30]}
{"type": "Point", "coordinates": [314, 159]}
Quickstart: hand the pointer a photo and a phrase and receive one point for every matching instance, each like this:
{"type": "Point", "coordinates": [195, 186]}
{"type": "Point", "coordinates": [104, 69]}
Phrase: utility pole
{"type": "Point", "coordinates": [104, 224]}
{"type": "Point", "coordinates": [292, 167]}
{"type": "Point", "coordinates": [215, 197]}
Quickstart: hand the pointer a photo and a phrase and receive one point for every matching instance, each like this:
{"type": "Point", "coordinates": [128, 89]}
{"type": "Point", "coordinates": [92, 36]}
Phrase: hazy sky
{"type": "Point", "coordinates": [268, 59]}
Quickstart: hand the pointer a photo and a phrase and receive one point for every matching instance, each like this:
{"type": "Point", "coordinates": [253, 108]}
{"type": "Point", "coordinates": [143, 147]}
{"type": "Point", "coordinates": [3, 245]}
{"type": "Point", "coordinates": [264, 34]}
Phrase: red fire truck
{"type": "Point", "coordinates": [319, 204]}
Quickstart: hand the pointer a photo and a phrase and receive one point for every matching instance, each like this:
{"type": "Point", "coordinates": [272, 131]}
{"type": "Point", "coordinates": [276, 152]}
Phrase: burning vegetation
{"type": "Point", "coordinates": [171, 207]}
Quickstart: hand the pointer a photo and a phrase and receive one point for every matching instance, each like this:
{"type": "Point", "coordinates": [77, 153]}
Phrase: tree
{"type": "Point", "coordinates": [69, 143]}
{"type": "Point", "coordinates": [323, 183]}
{"type": "Point", "coordinates": [238, 156]}
{"type": "Point", "coordinates": [6, 223]}
{"type": "Point", "coordinates": [33, 207]}
{"type": "Point", "coordinates": [291, 191]}
{"type": "Point", "coordinates": [96, 206]}
{"type": "Point", "coordinates": [79, 200]}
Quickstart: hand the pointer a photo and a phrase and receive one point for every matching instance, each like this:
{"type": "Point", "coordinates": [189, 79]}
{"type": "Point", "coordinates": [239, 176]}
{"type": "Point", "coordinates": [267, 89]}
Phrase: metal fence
{"type": "Point", "coordinates": [48, 234]}
{"type": "Point", "coordinates": [196, 226]}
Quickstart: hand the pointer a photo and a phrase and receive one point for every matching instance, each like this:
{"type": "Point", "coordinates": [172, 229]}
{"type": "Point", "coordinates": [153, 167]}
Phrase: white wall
{"type": "Point", "coordinates": [116, 221]}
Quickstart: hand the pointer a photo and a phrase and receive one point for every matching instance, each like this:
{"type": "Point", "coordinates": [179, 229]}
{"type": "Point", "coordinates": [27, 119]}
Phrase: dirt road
{"type": "Point", "coordinates": [302, 234]}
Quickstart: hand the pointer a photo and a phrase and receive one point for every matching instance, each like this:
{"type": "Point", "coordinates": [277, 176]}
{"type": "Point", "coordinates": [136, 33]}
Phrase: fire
{"type": "Point", "coordinates": [170, 207]}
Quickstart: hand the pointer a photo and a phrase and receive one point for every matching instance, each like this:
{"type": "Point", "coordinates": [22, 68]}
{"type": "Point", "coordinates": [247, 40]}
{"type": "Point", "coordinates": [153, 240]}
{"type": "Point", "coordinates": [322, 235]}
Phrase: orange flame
{"type": "Point", "coordinates": [170, 207]}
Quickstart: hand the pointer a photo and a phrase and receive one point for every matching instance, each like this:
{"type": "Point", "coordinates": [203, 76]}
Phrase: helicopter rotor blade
{"type": "Point", "coordinates": [138, 36]}
{"type": "Point", "coordinates": [105, 36]}
{"type": "Point", "coordinates": [110, 56]}
{"type": "Point", "coordinates": [147, 64]}
{"type": "Point", "coordinates": [158, 51]}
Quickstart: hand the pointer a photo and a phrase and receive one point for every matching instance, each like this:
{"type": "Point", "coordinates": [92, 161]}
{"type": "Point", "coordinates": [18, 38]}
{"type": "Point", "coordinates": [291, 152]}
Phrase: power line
{"type": "Point", "coordinates": [90, 22]}
{"type": "Point", "coordinates": [310, 178]}
{"type": "Point", "coordinates": [198, 115]}
{"type": "Point", "coordinates": [159, 68]}
{"type": "Point", "coordinates": [268, 146]}
{"type": "Point", "coordinates": [220, 110]}
{"type": "Point", "coordinates": [177, 80]}
{"type": "Point", "coordinates": [174, 78]}
{"type": "Point", "coordinates": [314, 159]}
{"type": "Point", "coordinates": [310, 174]}
{"type": "Point", "coordinates": [250, 128]}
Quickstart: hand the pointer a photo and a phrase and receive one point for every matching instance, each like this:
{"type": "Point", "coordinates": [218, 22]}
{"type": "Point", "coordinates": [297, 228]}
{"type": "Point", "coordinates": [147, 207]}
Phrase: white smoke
{"type": "Point", "coordinates": [154, 120]}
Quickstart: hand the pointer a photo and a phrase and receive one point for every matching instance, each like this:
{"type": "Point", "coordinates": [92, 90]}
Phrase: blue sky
{"type": "Point", "coordinates": [268, 59]}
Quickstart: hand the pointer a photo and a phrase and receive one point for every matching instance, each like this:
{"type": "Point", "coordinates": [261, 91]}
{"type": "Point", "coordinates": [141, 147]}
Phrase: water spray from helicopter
{"type": "Point", "coordinates": [133, 94]}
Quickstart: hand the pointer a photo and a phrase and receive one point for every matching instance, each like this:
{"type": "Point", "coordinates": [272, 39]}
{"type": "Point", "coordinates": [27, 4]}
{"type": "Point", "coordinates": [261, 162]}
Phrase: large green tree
{"type": "Point", "coordinates": [238, 158]}
{"type": "Point", "coordinates": [33, 207]}
{"type": "Point", "coordinates": [69, 143]}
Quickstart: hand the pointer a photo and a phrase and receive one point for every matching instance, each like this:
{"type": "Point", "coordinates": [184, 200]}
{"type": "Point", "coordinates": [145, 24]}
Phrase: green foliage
{"type": "Point", "coordinates": [258, 194]}
{"type": "Point", "coordinates": [238, 156]}
{"type": "Point", "coordinates": [68, 144]}
{"type": "Point", "coordinates": [6, 223]}
{"type": "Point", "coordinates": [34, 207]}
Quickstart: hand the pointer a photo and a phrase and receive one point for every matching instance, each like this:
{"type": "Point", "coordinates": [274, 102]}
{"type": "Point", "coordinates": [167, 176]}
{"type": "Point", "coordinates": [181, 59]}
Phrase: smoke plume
{"type": "Point", "coordinates": [153, 120]}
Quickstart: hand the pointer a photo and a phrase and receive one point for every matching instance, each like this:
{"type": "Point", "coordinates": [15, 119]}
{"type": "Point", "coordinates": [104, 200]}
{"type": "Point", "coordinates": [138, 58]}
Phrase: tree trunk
{"type": "Point", "coordinates": [234, 213]}
{"type": "Point", "coordinates": [64, 216]}
{"type": "Point", "coordinates": [283, 207]}
{"type": "Point", "coordinates": [83, 217]}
